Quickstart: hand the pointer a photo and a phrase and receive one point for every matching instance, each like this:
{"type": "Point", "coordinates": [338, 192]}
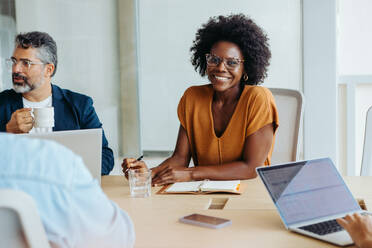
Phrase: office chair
{"type": "Point", "coordinates": [20, 224]}
{"type": "Point", "coordinates": [366, 169]}
{"type": "Point", "coordinates": [290, 108]}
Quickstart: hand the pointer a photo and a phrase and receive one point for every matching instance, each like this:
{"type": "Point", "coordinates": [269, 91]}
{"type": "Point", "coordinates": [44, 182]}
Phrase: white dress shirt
{"type": "Point", "coordinates": [73, 208]}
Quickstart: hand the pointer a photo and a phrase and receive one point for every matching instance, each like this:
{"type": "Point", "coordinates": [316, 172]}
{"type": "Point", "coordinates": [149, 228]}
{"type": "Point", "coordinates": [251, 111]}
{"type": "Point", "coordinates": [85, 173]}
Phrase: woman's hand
{"type": "Point", "coordinates": [359, 227]}
{"type": "Point", "coordinates": [171, 174]}
{"type": "Point", "coordinates": [132, 163]}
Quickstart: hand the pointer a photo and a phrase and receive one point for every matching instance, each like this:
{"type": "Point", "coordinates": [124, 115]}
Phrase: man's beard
{"type": "Point", "coordinates": [25, 86]}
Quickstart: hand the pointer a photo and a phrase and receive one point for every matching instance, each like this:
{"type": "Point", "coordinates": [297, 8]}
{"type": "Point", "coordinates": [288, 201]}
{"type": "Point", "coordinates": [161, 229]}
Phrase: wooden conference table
{"type": "Point", "coordinates": [255, 221]}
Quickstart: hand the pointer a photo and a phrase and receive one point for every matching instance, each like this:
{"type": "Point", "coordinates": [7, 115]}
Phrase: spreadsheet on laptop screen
{"type": "Point", "coordinates": [308, 190]}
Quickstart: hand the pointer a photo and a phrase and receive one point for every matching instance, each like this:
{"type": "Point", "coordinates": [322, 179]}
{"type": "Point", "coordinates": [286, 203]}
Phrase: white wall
{"type": "Point", "coordinates": [87, 42]}
{"type": "Point", "coordinates": [166, 29]}
{"type": "Point", "coordinates": [355, 37]}
{"type": "Point", "coordinates": [7, 34]}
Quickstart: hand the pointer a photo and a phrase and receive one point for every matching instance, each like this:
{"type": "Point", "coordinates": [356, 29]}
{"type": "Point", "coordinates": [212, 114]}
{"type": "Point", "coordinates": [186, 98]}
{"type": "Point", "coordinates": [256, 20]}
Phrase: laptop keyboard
{"type": "Point", "coordinates": [323, 228]}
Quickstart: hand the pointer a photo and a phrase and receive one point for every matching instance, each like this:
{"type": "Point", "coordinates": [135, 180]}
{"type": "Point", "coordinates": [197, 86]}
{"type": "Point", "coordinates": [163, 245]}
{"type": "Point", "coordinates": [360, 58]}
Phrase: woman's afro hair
{"type": "Point", "coordinates": [241, 31]}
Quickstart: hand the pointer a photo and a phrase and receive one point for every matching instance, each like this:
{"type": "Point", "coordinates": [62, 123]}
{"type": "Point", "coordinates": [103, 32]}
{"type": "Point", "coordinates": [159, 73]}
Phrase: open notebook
{"type": "Point", "coordinates": [202, 187]}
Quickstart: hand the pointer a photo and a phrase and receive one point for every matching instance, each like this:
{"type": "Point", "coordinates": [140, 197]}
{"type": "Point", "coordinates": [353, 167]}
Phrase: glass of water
{"type": "Point", "coordinates": [139, 182]}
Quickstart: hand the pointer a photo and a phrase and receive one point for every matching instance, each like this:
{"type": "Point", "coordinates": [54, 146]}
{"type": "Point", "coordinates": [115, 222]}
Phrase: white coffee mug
{"type": "Point", "coordinates": [43, 117]}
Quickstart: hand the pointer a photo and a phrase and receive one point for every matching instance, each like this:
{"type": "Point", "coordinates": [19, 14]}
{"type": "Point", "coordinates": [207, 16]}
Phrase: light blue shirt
{"type": "Point", "coordinates": [72, 206]}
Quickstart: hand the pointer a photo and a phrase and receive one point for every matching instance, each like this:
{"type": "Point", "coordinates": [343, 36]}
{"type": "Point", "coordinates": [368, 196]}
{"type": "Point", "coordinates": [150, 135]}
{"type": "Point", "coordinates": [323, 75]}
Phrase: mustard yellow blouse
{"type": "Point", "coordinates": [255, 109]}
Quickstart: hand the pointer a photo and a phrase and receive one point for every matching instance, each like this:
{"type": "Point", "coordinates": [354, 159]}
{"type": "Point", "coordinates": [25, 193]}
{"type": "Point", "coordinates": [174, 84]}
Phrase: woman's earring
{"type": "Point", "coordinates": [245, 77]}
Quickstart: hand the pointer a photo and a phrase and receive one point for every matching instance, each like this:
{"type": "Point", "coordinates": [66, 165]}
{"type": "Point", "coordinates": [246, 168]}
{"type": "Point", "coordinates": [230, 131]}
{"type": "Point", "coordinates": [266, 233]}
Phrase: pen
{"type": "Point", "coordinates": [138, 159]}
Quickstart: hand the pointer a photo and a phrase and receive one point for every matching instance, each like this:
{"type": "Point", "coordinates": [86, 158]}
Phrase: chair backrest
{"type": "Point", "coordinates": [20, 224]}
{"type": "Point", "coordinates": [290, 108]}
{"type": "Point", "coordinates": [366, 169]}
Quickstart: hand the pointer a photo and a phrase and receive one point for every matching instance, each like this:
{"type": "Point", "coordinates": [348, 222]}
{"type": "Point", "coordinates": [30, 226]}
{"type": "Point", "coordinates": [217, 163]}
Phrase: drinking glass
{"type": "Point", "coordinates": [139, 182]}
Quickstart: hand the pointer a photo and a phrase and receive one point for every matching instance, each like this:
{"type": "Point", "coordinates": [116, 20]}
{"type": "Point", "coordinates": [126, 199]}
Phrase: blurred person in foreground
{"type": "Point", "coordinates": [72, 206]}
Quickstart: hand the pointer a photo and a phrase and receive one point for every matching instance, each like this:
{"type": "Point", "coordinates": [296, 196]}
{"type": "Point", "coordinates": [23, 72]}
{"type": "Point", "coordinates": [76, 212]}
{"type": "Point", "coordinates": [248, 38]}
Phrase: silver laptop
{"type": "Point", "coordinates": [309, 196]}
{"type": "Point", "coordinates": [87, 143]}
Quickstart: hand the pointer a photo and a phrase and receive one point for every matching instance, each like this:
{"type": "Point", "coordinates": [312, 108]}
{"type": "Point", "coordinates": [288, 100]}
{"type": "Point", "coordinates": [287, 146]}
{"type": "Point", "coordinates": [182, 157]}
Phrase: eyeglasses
{"type": "Point", "coordinates": [24, 63]}
{"type": "Point", "coordinates": [230, 63]}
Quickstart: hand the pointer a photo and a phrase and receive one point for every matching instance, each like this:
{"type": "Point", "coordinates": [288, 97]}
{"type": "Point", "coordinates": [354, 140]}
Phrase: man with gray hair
{"type": "Point", "coordinates": [33, 64]}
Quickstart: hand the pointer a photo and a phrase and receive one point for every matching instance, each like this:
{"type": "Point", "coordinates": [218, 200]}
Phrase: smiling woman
{"type": "Point", "coordinates": [227, 126]}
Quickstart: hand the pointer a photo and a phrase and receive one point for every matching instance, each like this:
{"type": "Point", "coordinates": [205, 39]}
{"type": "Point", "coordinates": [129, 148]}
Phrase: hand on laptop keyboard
{"type": "Point", "coordinates": [359, 227]}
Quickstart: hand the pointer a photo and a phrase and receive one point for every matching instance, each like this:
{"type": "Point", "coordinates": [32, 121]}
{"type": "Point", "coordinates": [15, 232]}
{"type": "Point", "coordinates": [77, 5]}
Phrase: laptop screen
{"type": "Point", "coordinates": [307, 190]}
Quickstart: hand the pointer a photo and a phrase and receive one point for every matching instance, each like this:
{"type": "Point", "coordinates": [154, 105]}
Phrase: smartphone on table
{"type": "Point", "coordinates": [205, 221]}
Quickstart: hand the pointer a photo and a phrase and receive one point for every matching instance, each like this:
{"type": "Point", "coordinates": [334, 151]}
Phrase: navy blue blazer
{"type": "Point", "coordinates": [71, 111]}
